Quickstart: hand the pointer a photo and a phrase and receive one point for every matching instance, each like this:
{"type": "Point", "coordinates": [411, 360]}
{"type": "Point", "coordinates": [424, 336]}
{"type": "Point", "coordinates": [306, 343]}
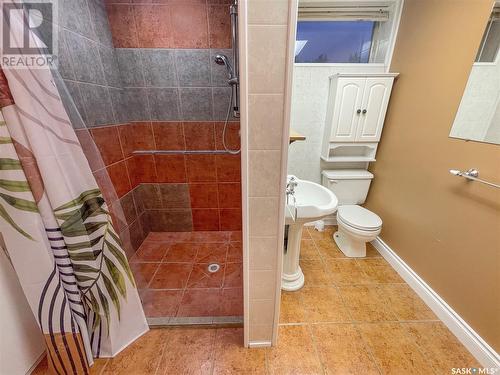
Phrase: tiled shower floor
{"type": "Point", "coordinates": [175, 286]}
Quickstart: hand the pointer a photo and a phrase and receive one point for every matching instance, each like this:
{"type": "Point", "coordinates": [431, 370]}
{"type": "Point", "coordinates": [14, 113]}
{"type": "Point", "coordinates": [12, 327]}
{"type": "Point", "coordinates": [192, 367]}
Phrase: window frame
{"type": "Point", "coordinates": [497, 57]}
{"type": "Point", "coordinates": [395, 10]}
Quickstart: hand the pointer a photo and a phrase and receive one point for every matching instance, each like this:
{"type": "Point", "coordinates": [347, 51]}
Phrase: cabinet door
{"type": "Point", "coordinates": [374, 107]}
{"type": "Point", "coordinates": [348, 101]}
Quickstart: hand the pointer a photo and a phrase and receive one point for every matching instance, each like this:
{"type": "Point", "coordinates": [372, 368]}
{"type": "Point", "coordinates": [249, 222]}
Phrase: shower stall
{"type": "Point", "coordinates": [152, 92]}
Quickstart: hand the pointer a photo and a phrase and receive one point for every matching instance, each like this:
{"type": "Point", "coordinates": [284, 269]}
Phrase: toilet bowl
{"type": "Point", "coordinates": [356, 227]}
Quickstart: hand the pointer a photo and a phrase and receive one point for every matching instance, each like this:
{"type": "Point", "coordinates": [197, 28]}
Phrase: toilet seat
{"type": "Point", "coordinates": [359, 218]}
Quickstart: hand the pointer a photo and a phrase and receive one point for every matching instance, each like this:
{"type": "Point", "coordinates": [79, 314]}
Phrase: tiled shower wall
{"type": "Point", "coordinates": [142, 77]}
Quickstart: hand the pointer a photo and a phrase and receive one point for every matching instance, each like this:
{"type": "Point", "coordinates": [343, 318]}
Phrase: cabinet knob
{"type": "Point", "coordinates": [358, 111]}
{"type": "Point", "coordinates": [364, 111]}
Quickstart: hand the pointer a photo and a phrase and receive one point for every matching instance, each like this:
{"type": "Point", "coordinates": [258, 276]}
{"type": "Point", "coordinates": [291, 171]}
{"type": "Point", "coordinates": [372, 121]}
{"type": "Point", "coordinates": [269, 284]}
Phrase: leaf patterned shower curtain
{"type": "Point", "coordinates": [58, 232]}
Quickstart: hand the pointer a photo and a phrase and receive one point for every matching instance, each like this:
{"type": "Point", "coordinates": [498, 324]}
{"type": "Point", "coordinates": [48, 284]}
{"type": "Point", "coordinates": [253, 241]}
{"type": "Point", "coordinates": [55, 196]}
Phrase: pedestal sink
{"type": "Point", "coordinates": [310, 202]}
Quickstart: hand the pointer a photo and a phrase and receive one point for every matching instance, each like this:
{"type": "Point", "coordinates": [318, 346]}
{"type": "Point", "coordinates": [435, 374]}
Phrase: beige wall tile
{"type": "Point", "coordinates": [263, 284]}
{"type": "Point", "coordinates": [265, 121]}
{"type": "Point", "coordinates": [266, 59]}
{"type": "Point", "coordinates": [261, 332]}
{"type": "Point", "coordinates": [264, 173]}
{"type": "Point", "coordinates": [261, 311]}
{"type": "Point", "coordinates": [263, 215]}
{"type": "Point", "coordinates": [266, 12]}
{"type": "Point", "coordinates": [263, 253]}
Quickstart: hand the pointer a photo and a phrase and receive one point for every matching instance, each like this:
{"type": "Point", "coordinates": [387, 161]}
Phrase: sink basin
{"type": "Point", "coordinates": [312, 202]}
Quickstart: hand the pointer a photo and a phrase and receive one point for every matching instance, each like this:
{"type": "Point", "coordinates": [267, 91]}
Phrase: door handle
{"type": "Point", "coordinates": [358, 111]}
{"type": "Point", "coordinates": [364, 111]}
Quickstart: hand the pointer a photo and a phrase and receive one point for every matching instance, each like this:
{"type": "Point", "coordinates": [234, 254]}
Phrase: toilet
{"type": "Point", "coordinates": [356, 224]}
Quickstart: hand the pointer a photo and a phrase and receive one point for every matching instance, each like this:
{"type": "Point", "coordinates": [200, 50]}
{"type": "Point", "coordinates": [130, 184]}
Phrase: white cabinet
{"type": "Point", "coordinates": [348, 100]}
{"type": "Point", "coordinates": [357, 105]}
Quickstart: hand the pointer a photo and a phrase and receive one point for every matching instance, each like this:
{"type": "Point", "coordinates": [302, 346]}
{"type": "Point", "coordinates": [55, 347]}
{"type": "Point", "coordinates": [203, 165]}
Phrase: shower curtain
{"type": "Point", "coordinates": [57, 229]}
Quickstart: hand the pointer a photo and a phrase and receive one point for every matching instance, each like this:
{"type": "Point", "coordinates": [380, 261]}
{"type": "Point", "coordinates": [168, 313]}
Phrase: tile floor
{"type": "Point", "coordinates": [352, 317]}
{"type": "Point", "coordinates": [171, 272]}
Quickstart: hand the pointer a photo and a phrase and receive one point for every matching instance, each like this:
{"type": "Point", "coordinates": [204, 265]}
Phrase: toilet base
{"type": "Point", "coordinates": [350, 246]}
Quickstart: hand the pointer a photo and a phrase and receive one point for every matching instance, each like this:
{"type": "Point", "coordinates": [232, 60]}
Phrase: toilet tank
{"type": "Point", "coordinates": [349, 185]}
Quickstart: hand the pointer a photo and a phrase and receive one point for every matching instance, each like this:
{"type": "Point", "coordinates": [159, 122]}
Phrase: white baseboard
{"type": "Point", "coordinates": [259, 344]}
{"type": "Point", "coordinates": [464, 333]}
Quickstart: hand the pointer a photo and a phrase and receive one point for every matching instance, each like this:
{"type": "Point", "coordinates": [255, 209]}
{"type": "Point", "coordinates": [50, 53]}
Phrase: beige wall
{"type": "Point", "coordinates": [263, 93]}
{"type": "Point", "coordinates": [446, 229]}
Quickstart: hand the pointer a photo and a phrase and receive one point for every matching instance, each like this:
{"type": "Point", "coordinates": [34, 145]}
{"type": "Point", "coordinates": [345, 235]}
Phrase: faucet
{"type": "Point", "coordinates": [291, 185]}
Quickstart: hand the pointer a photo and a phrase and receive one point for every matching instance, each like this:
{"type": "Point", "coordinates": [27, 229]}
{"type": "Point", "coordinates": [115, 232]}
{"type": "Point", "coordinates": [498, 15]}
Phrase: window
{"type": "Point", "coordinates": [334, 41]}
{"type": "Point", "coordinates": [342, 35]}
{"type": "Point", "coordinates": [488, 50]}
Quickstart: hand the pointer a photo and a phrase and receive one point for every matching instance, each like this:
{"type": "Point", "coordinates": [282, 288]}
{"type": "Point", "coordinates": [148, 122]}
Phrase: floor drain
{"type": "Point", "coordinates": [214, 267]}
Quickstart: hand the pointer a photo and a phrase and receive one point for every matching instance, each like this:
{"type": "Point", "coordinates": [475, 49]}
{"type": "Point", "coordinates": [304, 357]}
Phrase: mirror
{"type": "Point", "coordinates": [478, 117]}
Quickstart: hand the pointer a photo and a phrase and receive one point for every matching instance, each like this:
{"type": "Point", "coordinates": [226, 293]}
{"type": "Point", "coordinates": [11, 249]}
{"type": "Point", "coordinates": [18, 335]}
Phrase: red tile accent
{"type": "Point", "coordinates": [202, 2]}
{"type": "Point", "coordinates": [219, 26]}
{"type": "Point", "coordinates": [236, 236]}
{"type": "Point", "coordinates": [199, 135]}
{"type": "Point", "coordinates": [143, 273]}
{"type": "Point", "coordinates": [136, 136]}
{"type": "Point", "coordinates": [200, 302]}
{"type": "Point", "coordinates": [120, 178]}
{"type": "Point", "coordinates": [230, 219]}
{"type": "Point", "coordinates": [90, 149]}
{"type": "Point", "coordinates": [171, 168]}
{"type": "Point", "coordinates": [190, 25]}
{"type": "Point", "coordinates": [205, 219]}
{"type": "Point", "coordinates": [228, 168]}
{"type": "Point", "coordinates": [108, 143]}
{"type": "Point", "coordinates": [230, 195]}
{"type": "Point", "coordinates": [123, 28]}
{"type": "Point", "coordinates": [232, 135]}
{"type": "Point", "coordinates": [220, 2]}
{"type": "Point", "coordinates": [169, 135]}
{"type": "Point", "coordinates": [235, 252]}
{"type": "Point", "coordinates": [212, 252]}
{"type": "Point", "coordinates": [173, 237]}
{"type": "Point", "coordinates": [202, 278]}
{"type": "Point", "coordinates": [150, 252]}
{"type": "Point", "coordinates": [106, 185]}
{"type": "Point", "coordinates": [234, 275]}
{"type": "Point", "coordinates": [141, 169]}
{"type": "Point", "coordinates": [161, 303]}
{"type": "Point", "coordinates": [231, 302]}
{"type": "Point", "coordinates": [182, 253]}
{"type": "Point", "coordinates": [171, 276]}
{"type": "Point", "coordinates": [154, 26]}
{"type": "Point", "coordinates": [201, 168]}
{"type": "Point", "coordinates": [209, 237]}
{"type": "Point", "coordinates": [203, 195]}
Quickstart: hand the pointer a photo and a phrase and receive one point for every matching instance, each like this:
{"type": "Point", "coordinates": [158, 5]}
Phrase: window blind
{"type": "Point", "coordinates": [309, 13]}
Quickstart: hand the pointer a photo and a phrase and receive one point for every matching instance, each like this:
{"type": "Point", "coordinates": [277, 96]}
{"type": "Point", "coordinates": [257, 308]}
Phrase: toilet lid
{"type": "Point", "coordinates": [359, 217]}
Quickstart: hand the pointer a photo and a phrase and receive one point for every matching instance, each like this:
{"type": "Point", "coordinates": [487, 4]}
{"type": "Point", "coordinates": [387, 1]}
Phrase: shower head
{"type": "Point", "coordinates": [223, 60]}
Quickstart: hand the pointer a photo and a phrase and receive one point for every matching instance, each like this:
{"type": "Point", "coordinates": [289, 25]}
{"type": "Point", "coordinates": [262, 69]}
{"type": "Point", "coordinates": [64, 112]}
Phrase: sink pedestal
{"type": "Point", "coordinates": [292, 278]}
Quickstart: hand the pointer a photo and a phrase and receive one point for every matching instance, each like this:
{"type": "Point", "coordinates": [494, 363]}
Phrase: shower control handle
{"type": "Point", "coordinates": [358, 111]}
{"type": "Point", "coordinates": [364, 111]}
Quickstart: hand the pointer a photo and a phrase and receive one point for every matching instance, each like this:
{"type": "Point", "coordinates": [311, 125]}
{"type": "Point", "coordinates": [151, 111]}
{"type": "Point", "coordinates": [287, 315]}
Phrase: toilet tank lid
{"type": "Point", "coordinates": [347, 174]}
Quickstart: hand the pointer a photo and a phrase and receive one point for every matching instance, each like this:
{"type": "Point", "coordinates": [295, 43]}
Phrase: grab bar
{"type": "Point", "coordinates": [472, 175]}
{"type": "Point", "coordinates": [180, 152]}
